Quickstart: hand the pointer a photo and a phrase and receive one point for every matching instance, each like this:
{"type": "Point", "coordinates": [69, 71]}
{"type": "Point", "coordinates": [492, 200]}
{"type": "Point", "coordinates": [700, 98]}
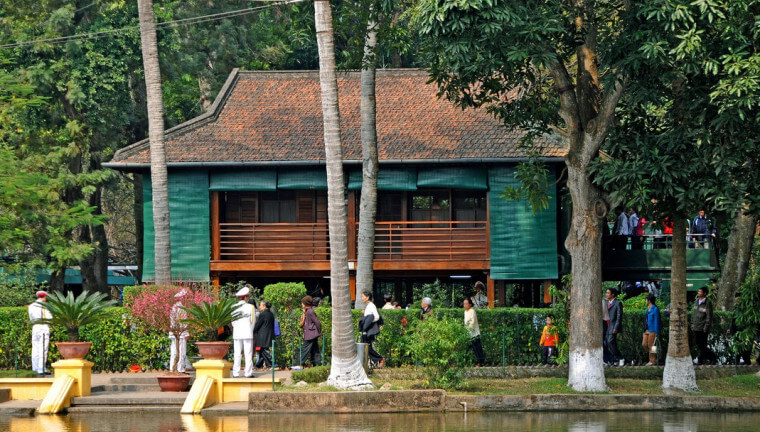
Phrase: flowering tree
{"type": "Point", "coordinates": [158, 307]}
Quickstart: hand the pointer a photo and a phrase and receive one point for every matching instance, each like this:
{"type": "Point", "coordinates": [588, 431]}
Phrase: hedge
{"type": "Point", "coordinates": [513, 332]}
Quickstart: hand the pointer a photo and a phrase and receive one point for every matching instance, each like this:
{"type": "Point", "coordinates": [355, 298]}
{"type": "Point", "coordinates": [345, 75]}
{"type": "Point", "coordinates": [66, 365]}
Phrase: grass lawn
{"type": "Point", "coordinates": [735, 386]}
{"type": "Point", "coordinates": [9, 373]}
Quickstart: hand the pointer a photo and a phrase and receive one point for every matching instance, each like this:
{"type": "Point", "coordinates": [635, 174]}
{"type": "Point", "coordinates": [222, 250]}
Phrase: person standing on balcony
{"type": "Point", "coordinates": [480, 301]}
{"type": "Point", "coordinates": [242, 333]}
{"type": "Point", "coordinates": [634, 229]}
{"type": "Point", "coordinates": [40, 333]}
{"type": "Point", "coordinates": [312, 330]}
{"type": "Point", "coordinates": [701, 321]}
{"type": "Point", "coordinates": [701, 226]}
{"type": "Point", "coordinates": [621, 230]}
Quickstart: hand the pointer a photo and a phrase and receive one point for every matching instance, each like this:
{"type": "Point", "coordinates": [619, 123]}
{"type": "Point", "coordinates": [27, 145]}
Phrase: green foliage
{"type": "Point", "coordinates": [747, 311]}
{"type": "Point", "coordinates": [638, 302]}
{"type": "Point", "coordinates": [314, 375]}
{"type": "Point", "coordinates": [17, 290]}
{"type": "Point", "coordinates": [209, 317]}
{"type": "Point", "coordinates": [74, 312]}
{"type": "Point", "coordinates": [285, 296]}
{"type": "Point", "coordinates": [441, 346]}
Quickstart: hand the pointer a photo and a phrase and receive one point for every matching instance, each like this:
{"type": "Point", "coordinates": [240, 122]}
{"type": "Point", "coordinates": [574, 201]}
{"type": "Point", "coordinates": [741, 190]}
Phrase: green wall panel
{"type": "Point", "coordinates": [390, 179]}
{"type": "Point", "coordinates": [453, 177]}
{"type": "Point", "coordinates": [523, 244]}
{"type": "Point", "coordinates": [302, 178]}
{"type": "Point", "coordinates": [189, 208]}
{"type": "Point", "coordinates": [254, 180]}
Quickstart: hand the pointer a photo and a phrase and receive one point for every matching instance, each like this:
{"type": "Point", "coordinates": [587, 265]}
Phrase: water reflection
{"type": "Point", "coordinates": [453, 422]}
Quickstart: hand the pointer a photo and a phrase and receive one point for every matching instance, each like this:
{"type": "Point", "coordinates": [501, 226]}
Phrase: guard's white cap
{"type": "Point", "coordinates": [42, 294]}
{"type": "Point", "coordinates": [243, 292]}
{"type": "Point", "coordinates": [183, 292]}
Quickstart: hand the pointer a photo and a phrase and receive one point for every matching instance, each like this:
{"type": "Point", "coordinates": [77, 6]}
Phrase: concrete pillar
{"type": "Point", "coordinates": [216, 369]}
{"type": "Point", "coordinates": [80, 370]}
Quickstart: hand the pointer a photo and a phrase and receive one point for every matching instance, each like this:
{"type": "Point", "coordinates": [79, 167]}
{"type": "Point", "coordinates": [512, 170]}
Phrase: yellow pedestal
{"type": "Point", "coordinates": [80, 370]}
{"type": "Point", "coordinates": [216, 369]}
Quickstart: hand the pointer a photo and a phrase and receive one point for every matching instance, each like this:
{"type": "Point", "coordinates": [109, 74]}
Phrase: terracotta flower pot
{"type": "Point", "coordinates": [173, 383]}
{"type": "Point", "coordinates": [73, 350]}
{"type": "Point", "coordinates": [213, 350]}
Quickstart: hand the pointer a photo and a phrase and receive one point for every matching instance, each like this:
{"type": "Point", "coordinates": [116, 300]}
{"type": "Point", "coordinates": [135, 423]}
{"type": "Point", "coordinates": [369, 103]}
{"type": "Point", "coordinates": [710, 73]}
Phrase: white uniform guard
{"type": "Point", "coordinates": [40, 333]}
{"type": "Point", "coordinates": [242, 333]}
{"type": "Point", "coordinates": [178, 314]}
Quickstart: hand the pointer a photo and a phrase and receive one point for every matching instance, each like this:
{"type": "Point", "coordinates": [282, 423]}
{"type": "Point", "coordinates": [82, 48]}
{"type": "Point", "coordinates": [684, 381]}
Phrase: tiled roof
{"type": "Point", "coordinates": [277, 117]}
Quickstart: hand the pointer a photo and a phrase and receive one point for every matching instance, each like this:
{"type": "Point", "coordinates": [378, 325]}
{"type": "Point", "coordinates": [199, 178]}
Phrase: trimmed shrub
{"type": "Point", "coordinates": [441, 346]}
{"type": "Point", "coordinates": [317, 374]}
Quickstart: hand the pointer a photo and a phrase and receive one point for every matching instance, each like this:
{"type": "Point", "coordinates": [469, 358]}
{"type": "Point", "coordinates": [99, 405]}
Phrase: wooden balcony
{"type": "Point", "coordinates": [428, 245]}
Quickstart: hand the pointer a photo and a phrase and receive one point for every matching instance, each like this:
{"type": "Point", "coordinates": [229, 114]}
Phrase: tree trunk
{"type": "Point", "coordinates": [57, 280]}
{"type": "Point", "coordinates": [368, 202]}
{"type": "Point", "coordinates": [679, 369]}
{"type": "Point", "coordinates": [158, 171]}
{"type": "Point", "coordinates": [346, 371]}
{"type": "Point", "coordinates": [94, 268]}
{"type": "Point", "coordinates": [584, 242]}
{"type": "Point", "coordinates": [737, 259]}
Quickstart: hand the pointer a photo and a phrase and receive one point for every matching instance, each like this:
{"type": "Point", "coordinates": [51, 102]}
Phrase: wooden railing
{"type": "Point", "coordinates": [445, 240]}
{"type": "Point", "coordinates": [394, 241]}
{"type": "Point", "coordinates": [274, 241]}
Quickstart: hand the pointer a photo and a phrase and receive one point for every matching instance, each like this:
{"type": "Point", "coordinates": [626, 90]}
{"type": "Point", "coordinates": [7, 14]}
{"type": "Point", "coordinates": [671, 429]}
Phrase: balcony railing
{"type": "Point", "coordinates": [394, 241]}
{"type": "Point", "coordinates": [274, 241]}
{"type": "Point", "coordinates": [429, 240]}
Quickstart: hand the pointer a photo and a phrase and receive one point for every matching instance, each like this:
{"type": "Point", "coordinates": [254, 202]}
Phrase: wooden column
{"type": "Point", "coordinates": [547, 294]}
{"type": "Point", "coordinates": [352, 286]}
{"type": "Point", "coordinates": [490, 290]}
{"type": "Point", "coordinates": [216, 251]}
{"type": "Point", "coordinates": [352, 230]}
{"type": "Point", "coordinates": [502, 292]}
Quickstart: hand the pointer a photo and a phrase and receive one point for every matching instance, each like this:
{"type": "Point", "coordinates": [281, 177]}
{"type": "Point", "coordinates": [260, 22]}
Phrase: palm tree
{"type": "Point", "coordinates": [368, 202]}
{"type": "Point", "coordinates": [346, 371]}
{"type": "Point", "coordinates": [158, 171]}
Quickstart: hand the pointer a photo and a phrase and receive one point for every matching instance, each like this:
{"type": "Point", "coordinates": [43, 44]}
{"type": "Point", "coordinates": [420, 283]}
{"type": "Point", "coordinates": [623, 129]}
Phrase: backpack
{"type": "Point", "coordinates": [277, 332]}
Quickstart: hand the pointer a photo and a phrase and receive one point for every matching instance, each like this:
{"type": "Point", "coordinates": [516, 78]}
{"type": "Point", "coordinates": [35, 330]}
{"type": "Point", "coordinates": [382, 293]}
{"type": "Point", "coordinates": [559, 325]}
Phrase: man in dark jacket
{"type": "Point", "coordinates": [701, 321]}
{"type": "Point", "coordinates": [614, 326]}
{"type": "Point", "coordinates": [263, 332]}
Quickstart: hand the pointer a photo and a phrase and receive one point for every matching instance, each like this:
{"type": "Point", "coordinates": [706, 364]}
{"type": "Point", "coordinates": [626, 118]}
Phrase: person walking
{"type": "Point", "coordinates": [177, 315]}
{"type": "Point", "coordinates": [701, 321]}
{"type": "Point", "coordinates": [40, 333]}
{"type": "Point", "coordinates": [369, 326]}
{"type": "Point", "coordinates": [652, 329]}
{"type": "Point", "coordinates": [548, 341]}
{"type": "Point", "coordinates": [471, 323]}
{"type": "Point", "coordinates": [615, 311]}
{"type": "Point", "coordinates": [427, 308]}
{"type": "Point", "coordinates": [242, 333]}
{"type": "Point", "coordinates": [263, 332]}
{"type": "Point", "coordinates": [480, 300]}
{"type": "Point", "coordinates": [312, 330]}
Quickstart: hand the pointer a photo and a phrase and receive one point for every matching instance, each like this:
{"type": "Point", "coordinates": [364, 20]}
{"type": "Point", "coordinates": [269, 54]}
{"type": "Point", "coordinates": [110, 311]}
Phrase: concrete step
{"type": "Point", "coordinates": [126, 388]}
{"type": "Point", "coordinates": [138, 380]}
{"type": "Point", "coordinates": [19, 408]}
{"type": "Point", "coordinates": [122, 408]}
{"type": "Point", "coordinates": [133, 399]}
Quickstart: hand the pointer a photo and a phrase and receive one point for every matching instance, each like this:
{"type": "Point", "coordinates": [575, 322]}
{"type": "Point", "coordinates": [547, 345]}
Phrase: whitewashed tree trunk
{"type": "Point", "coordinates": [584, 242]}
{"type": "Point", "coordinates": [158, 171]}
{"type": "Point", "coordinates": [679, 369]}
{"type": "Point", "coordinates": [368, 202]}
{"type": "Point", "coordinates": [346, 371]}
{"type": "Point", "coordinates": [737, 259]}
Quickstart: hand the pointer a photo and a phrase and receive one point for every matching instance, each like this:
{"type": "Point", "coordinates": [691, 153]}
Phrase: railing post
{"type": "Point", "coordinates": [273, 365]}
{"type": "Point", "coordinates": [503, 350]}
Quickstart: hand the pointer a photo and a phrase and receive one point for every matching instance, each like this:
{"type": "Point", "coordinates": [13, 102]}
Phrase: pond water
{"type": "Point", "coordinates": [453, 422]}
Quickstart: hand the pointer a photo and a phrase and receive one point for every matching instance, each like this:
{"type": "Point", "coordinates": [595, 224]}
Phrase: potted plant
{"type": "Point", "coordinates": [72, 313]}
{"type": "Point", "coordinates": [161, 308]}
{"type": "Point", "coordinates": [209, 317]}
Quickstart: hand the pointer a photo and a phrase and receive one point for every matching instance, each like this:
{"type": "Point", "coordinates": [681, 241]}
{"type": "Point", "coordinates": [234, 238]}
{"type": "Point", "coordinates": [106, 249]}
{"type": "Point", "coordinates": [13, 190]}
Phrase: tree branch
{"type": "Point", "coordinates": [600, 126]}
{"type": "Point", "coordinates": [568, 102]}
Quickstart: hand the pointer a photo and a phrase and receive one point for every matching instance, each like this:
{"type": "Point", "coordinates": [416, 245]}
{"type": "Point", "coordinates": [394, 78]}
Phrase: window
{"type": "Point", "coordinates": [470, 205]}
{"type": "Point", "coordinates": [278, 207]}
{"type": "Point", "coordinates": [430, 206]}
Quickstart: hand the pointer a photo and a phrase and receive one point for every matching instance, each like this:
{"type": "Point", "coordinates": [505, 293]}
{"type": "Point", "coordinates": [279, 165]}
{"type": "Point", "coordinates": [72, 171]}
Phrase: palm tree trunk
{"type": "Point", "coordinates": [368, 202]}
{"type": "Point", "coordinates": [158, 171]}
{"type": "Point", "coordinates": [346, 371]}
{"type": "Point", "coordinates": [679, 369]}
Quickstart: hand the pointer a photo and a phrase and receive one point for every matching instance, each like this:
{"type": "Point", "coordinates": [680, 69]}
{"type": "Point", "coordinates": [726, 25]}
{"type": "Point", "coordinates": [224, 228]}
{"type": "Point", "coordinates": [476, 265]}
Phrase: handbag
{"type": "Point", "coordinates": [653, 350]}
{"type": "Point", "coordinates": [277, 332]}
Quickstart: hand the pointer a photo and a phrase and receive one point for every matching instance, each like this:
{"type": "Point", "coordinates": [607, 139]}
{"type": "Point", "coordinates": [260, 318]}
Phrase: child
{"type": "Point", "coordinates": [549, 341]}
